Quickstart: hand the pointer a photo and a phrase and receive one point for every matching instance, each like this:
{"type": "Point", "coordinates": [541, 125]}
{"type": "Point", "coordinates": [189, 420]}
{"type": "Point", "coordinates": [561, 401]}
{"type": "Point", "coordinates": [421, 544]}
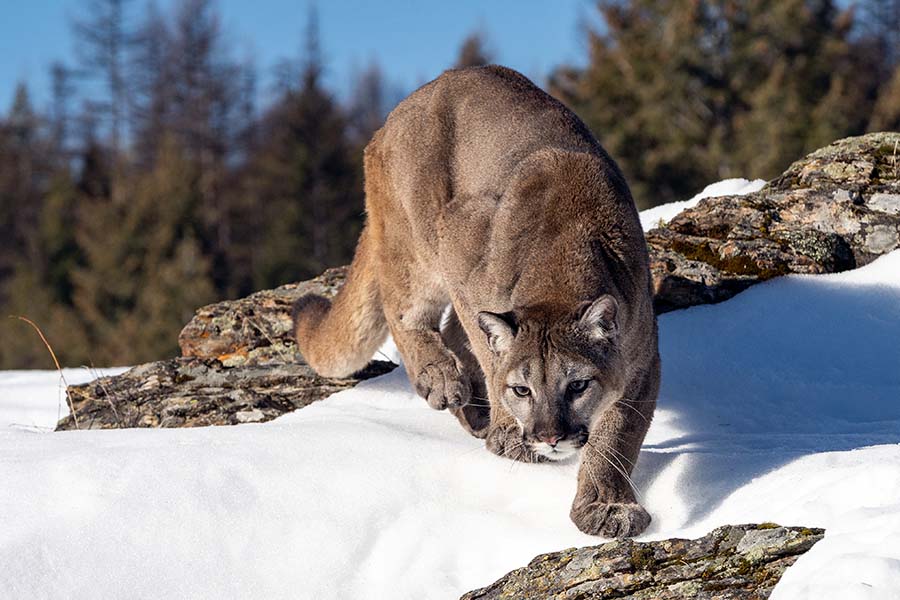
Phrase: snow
{"type": "Point", "coordinates": [35, 399]}
{"type": "Point", "coordinates": [778, 405]}
{"type": "Point", "coordinates": [652, 217]}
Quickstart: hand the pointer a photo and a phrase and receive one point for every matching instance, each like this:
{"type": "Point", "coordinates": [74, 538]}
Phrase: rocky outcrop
{"type": "Point", "coordinates": [733, 562]}
{"type": "Point", "coordinates": [240, 365]}
{"type": "Point", "coordinates": [194, 392]}
{"type": "Point", "coordinates": [834, 210]}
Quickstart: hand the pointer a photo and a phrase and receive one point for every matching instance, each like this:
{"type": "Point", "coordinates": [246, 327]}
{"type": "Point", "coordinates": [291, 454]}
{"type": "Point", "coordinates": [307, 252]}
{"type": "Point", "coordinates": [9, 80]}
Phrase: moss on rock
{"type": "Point", "coordinates": [730, 563]}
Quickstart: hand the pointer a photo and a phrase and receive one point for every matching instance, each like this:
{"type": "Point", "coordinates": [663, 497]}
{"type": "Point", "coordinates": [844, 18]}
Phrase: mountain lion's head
{"type": "Point", "coordinates": [555, 373]}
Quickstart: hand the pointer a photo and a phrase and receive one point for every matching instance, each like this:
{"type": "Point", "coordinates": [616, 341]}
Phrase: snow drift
{"type": "Point", "coordinates": [652, 217]}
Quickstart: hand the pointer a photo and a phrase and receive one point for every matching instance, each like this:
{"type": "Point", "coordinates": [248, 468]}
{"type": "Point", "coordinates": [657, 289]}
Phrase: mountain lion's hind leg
{"type": "Point", "coordinates": [413, 309]}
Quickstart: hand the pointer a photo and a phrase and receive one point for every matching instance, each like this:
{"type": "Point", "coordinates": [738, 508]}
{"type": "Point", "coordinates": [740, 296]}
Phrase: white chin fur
{"type": "Point", "coordinates": [562, 451]}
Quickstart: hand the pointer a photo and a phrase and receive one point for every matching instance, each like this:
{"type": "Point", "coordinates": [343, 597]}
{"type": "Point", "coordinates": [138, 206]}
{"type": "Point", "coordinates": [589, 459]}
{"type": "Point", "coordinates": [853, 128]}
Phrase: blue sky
{"type": "Point", "coordinates": [413, 41]}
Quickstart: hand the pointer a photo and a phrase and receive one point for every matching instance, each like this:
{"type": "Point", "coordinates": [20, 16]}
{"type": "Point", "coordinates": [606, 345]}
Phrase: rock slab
{"type": "Point", "coordinates": [734, 562]}
{"type": "Point", "coordinates": [836, 209]}
{"type": "Point", "coordinates": [195, 392]}
{"type": "Point", "coordinates": [239, 365]}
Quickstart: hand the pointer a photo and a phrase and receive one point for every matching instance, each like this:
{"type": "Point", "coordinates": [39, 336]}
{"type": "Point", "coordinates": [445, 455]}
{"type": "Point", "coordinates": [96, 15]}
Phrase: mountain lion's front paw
{"type": "Point", "coordinates": [442, 385]}
{"type": "Point", "coordinates": [612, 520]}
{"type": "Point", "coordinates": [506, 440]}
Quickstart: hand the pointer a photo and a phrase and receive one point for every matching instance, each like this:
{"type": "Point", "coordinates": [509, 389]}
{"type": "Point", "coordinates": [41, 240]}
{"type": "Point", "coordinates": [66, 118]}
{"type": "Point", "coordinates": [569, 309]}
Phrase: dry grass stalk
{"type": "Point", "coordinates": [62, 377]}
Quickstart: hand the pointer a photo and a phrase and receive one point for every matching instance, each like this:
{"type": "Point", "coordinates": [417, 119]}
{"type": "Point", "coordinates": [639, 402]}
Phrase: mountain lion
{"type": "Point", "coordinates": [486, 195]}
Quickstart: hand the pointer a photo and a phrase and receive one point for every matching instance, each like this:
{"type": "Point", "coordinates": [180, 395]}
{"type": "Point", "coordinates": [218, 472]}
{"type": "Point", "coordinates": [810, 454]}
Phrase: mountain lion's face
{"type": "Point", "coordinates": [555, 375]}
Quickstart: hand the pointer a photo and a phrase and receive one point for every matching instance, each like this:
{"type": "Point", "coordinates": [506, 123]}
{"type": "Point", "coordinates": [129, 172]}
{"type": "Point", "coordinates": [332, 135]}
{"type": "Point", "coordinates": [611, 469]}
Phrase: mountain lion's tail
{"type": "Point", "coordinates": [337, 338]}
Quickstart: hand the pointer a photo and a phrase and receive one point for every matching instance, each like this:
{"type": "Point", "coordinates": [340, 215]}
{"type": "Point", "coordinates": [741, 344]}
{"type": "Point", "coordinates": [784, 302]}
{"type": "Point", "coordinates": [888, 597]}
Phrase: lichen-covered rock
{"type": "Point", "coordinates": [193, 392]}
{"type": "Point", "coordinates": [834, 210]}
{"type": "Point", "coordinates": [240, 365]}
{"type": "Point", "coordinates": [733, 562]}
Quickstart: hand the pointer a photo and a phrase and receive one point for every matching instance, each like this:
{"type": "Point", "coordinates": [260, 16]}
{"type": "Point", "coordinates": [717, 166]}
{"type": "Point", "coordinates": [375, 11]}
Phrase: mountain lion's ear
{"type": "Point", "coordinates": [499, 329]}
{"type": "Point", "coordinates": [598, 318]}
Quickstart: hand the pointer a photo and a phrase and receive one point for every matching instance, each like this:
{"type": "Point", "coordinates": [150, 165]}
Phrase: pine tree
{"type": "Point", "coordinates": [205, 118]}
{"type": "Point", "coordinates": [23, 173]}
{"type": "Point", "coordinates": [304, 196]}
{"type": "Point", "coordinates": [143, 273]}
{"type": "Point", "coordinates": [40, 288]}
{"type": "Point", "coordinates": [473, 52]}
{"type": "Point", "coordinates": [652, 93]}
{"type": "Point", "coordinates": [103, 44]}
{"type": "Point", "coordinates": [368, 104]}
{"type": "Point", "coordinates": [151, 78]}
{"type": "Point", "coordinates": [308, 188]}
{"type": "Point", "coordinates": [686, 92]}
{"type": "Point", "coordinates": [28, 296]}
{"type": "Point", "coordinates": [62, 90]}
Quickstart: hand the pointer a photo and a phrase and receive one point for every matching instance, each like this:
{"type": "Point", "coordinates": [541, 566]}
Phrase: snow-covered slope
{"type": "Point", "coordinates": [36, 399]}
{"type": "Point", "coordinates": [782, 404]}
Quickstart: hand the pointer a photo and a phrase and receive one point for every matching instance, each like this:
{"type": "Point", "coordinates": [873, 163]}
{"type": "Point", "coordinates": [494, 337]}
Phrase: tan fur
{"type": "Point", "coordinates": [484, 193]}
{"type": "Point", "coordinates": [353, 326]}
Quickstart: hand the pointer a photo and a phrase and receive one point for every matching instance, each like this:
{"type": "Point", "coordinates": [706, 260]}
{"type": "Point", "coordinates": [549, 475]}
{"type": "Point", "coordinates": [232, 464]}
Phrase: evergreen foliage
{"type": "Point", "coordinates": [474, 52]}
{"type": "Point", "coordinates": [686, 92]}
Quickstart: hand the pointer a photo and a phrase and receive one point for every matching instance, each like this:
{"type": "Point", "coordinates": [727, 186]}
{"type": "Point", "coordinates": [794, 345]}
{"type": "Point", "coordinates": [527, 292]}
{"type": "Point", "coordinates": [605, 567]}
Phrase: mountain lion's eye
{"type": "Point", "coordinates": [578, 386]}
{"type": "Point", "coordinates": [521, 391]}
